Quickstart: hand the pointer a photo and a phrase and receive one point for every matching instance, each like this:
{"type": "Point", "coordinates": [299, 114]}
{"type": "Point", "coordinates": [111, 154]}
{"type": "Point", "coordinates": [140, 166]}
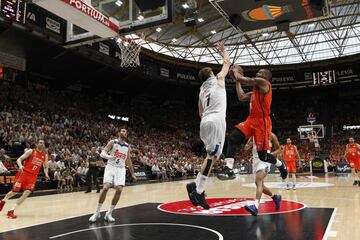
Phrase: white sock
{"type": "Point", "coordinates": [278, 163]}
{"type": "Point", "coordinates": [229, 162]}
{"type": "Point", "coordinates": [256, 203]}
{"type": "Point", "coordinates": [111, 209]}
{"type": "Point", "coordinates": [15, 206]}
{"type": "Point", "coordinates": [200, 181]}
{"type": "Point", "coordinates": [98, 207]}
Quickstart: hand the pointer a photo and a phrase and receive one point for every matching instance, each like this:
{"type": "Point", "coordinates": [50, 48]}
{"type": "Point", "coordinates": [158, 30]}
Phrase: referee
{"type": "Point", "coordinates": [93, 171]}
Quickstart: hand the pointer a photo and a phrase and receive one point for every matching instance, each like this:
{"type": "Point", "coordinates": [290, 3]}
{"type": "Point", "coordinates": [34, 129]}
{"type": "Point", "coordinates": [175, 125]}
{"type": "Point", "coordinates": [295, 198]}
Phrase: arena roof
{"type": "Point", "coordinates": [333, 36]}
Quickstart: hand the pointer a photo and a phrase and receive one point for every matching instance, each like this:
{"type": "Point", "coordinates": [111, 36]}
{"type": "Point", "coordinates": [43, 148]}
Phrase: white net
{"type": "Point", "coordinates": [130, 51]}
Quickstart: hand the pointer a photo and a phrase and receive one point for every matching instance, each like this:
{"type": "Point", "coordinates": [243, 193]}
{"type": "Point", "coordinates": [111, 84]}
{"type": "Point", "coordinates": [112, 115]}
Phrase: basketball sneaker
{"type": "Point", "coordinates": [200, 198]}
{"type": "Point", "coordinates": [94, 217]}
{"type": "Point", "coordinates": [252, 209]}
{"type": "Point", "coordinates": [288, 186]}
{"type": "Point", "coordinates": [283, 170]}
{"type": "Point", "coordinates": [355, 183]}
{"type": "Point", "coordinates": [10, 214]}
{"type": "Point", "coordinates": [108, 217]}
{"type": "Point", "coordinates": [277, 200]}
{"type": "Point", "coordinates": [226, 174]}
{"type": "Point", "coordinates": [190, 187]}
{"type": "Point", "coordinates": [2, 204]}
{"type": "Point", "coordinates": [294, 186]}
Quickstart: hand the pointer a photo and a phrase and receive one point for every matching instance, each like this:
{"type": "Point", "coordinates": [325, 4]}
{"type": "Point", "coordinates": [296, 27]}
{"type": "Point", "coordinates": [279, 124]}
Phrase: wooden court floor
{"type": "Point", "coordinates": [338, 193]}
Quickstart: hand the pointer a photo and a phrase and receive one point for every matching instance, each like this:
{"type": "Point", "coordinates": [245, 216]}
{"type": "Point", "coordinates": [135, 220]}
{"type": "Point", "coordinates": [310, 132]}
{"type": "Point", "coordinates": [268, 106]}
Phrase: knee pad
{"type": "Point", "coordinates": [207, 167]}
{"type": "Point", "coordinates": [266, 157]}
{"type": "Point", "coordinates": [262, 155]}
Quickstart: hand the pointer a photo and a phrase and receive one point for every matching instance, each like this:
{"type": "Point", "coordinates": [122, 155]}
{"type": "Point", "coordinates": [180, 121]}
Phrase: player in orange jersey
{"type": "Point", "coordinates": [258, 124]}
{"type": "Point", "coordinates": [27, 175]}
{"type": "Point", "coordinates": [290, 155]}
{"type": "Point", "coordinates": [352, 155]}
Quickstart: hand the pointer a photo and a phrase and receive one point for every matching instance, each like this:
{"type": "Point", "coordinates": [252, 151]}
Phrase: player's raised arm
{"type": "Point", "coordinates": [22, 158]}
{"type": "Point", "coordinates": [106, 150]}
{"type": "Point", "coordinates": [242, 96]}
{"type": "Point", "coordinates": [259, 81]}
{"type": "Point", "coordinates": [226, 64]}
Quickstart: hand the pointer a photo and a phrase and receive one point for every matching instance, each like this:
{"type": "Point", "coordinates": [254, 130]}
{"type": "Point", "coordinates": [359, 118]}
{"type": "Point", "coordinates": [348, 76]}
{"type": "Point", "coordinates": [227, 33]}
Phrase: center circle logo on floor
{"type": "Point", "coordinates": [229, 207]}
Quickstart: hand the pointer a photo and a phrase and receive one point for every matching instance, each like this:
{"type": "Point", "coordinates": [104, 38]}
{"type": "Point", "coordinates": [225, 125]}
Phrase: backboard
{"type": "Point", "coordinates": [129, 15]}
{"type": "Point", "coordinates": [311, 131]}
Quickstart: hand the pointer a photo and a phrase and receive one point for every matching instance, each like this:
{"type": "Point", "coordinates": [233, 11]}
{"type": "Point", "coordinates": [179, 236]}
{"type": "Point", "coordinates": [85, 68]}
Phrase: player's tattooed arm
{"type": "Point", "coordinates": [104, 152]}
{"type": "Point", "coordinates": [22, 158]}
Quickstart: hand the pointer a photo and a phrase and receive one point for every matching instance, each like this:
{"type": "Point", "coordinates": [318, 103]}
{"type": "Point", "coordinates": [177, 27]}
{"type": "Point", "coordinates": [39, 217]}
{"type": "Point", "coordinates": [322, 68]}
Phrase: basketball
{"type": "Point", "coordinates": [236, 68]}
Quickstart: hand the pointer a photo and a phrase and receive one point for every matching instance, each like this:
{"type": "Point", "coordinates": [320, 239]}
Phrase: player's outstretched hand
{"type": "Point", "coordinates": [47, 177]}
{"type": "Point", "coordinates": [221, 47]}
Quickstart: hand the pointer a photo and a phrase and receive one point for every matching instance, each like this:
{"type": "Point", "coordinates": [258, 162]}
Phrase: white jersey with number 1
{"type": "Point", "coordinates": [213, 98]}
{"type": "Point", "coordinates": [213, 123]}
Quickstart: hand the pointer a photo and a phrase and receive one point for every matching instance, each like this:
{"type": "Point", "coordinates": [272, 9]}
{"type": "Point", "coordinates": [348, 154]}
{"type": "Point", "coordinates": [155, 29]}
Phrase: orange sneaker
{"type": "Point", "coordinates": [10, 214]}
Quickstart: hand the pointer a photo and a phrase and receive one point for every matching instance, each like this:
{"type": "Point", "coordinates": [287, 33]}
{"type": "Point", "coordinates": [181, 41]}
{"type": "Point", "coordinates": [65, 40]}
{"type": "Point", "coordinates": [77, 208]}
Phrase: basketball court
{"type": "Point", "coordinates": [311, 212]}
{"type": "Point", "coordinates": [324, 206]}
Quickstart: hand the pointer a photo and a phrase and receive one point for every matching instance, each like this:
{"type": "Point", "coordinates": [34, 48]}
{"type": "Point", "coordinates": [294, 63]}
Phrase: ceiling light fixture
{"type": "Point", "coordinates": [185, 5]}
{"type": "Point", "coordinates": [119, 3]}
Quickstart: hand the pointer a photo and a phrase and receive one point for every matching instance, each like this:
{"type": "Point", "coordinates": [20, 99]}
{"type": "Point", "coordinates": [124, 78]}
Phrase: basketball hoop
{"type": "Point", "coordinates": [130, 47]}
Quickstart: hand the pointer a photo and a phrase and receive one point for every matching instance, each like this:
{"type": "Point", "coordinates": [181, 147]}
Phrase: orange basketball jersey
{"type": "Point", "coordinates": [260, 104]}
{"type": "Point", "coordinates": [353, 152]}
{"type": "Point", "coordinates": [34, 161]}
{"type": "Point", "coordinates": [289, 153]}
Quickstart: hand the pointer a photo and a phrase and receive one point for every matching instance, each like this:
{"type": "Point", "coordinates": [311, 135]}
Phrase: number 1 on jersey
{"type": "Point", "coordinates": [208, 100]}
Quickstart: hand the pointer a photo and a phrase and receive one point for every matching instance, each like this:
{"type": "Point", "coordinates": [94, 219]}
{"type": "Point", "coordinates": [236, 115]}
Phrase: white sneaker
{"type": "Point", "coordinates": [94, 217]}
{"type": "Point", "coordinates": [108, 217]}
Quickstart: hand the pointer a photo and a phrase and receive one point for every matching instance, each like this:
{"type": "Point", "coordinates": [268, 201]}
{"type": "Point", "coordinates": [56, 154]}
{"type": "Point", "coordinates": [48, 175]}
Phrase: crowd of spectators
{"type": "Point", "coordinates": [164, 137]}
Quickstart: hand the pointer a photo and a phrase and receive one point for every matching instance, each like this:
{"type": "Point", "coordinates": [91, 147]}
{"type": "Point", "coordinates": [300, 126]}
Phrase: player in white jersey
{"type": "Point", "coordinates": [117, 152]}
{"type": "Point", "coordinates": [260, 170]}
{"type": "Point", "coordinates": [212, 111]}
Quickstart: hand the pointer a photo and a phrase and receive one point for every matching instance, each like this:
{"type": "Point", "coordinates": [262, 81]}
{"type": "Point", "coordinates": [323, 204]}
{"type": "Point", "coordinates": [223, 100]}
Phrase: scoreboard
{"type": "Point", "coordinates": [14, 9]}
{"type": "Point", "coordinates": [324, 77]}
